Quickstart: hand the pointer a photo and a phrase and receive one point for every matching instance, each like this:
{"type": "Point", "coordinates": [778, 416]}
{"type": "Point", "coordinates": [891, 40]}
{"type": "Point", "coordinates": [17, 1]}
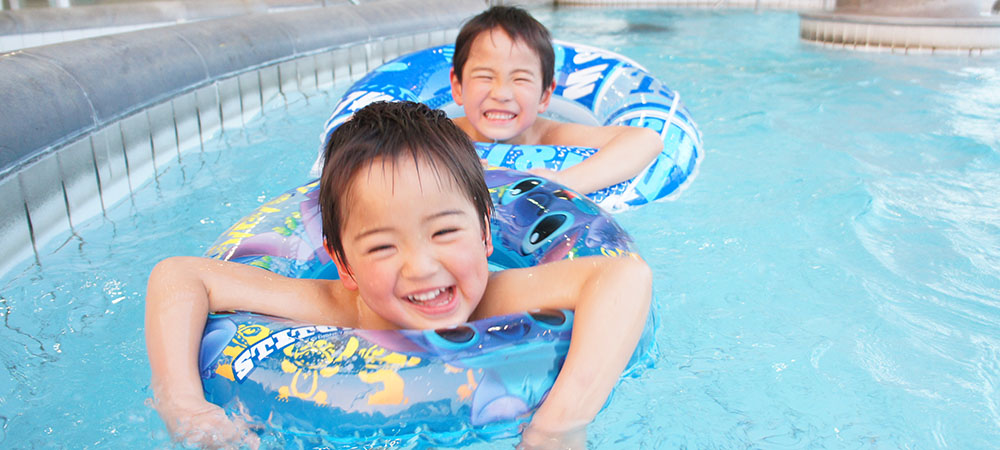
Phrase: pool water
{"type": "Point", "coordinates": [831, 279]}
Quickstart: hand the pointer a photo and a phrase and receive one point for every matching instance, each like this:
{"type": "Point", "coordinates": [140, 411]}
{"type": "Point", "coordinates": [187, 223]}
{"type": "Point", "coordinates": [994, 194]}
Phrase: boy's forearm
{"type": "Point", "coordinates": [620, 159]}
{"type": "Point", "coordinates": [608, 323]}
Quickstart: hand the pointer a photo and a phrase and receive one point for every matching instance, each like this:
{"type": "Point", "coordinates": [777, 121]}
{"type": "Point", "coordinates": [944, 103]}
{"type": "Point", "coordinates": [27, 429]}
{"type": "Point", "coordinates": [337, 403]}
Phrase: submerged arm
{"type": "Point", "coordinates": [180, 294]}
{"type": "Point", "coordinates": [611, 298]}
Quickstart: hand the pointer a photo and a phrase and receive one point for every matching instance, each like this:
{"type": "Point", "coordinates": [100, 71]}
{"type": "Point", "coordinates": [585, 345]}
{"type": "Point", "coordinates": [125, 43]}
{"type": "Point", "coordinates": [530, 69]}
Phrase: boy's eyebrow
{"type": "Point", "coordinates": [447, 212]}
{"type": "Point", "coordinates": [490, 69]}
{"type": "Point", "coordinates": [483, 68]}
{"type": "Point", "coordinates": [371, 231]}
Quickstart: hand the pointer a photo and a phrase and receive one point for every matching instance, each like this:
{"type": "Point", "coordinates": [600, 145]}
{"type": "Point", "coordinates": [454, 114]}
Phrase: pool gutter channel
{"type": "Point", "coordinates": [76, 139]}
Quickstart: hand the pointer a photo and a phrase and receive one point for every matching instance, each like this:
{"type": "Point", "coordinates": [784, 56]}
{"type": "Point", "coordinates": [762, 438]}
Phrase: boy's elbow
{"type": "Point", "coordinates": [652, 141]}
{"type": "Point", "coordinates": [643, 270]}
{"type": "Point", "coordinates": [169, 268]}
{"type": "Point", "coordinates": [649, 134]}
{"type": "Point", "coordinates": [643, 279]}
{"type": "Point", "coordinates": [170, 264]}
{"type": "Point", "coordinates": [635, 273]}
{"type": "Point", "coordinates": [641, 273]}
{"type": "Point", "coordinates": [170, 275]}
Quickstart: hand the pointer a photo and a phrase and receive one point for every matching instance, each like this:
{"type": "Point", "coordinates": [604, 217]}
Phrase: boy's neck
{"type": "Point", "coordinates": [534, 135]}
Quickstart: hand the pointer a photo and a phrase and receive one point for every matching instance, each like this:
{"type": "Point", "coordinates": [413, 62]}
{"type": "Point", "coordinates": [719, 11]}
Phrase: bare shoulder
{"type": "Point", "coordinates": [553, 132]}
{"type": "Point", "coordinates": [464, 124]}
{"type": "Point", "coordinates": [557, 284]}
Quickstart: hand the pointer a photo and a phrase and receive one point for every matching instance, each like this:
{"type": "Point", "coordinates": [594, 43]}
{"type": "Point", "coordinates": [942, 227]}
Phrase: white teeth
{"type": "Point", "coordinates": [499, 116]}
{"type": "Point", "coordinates": [425, 296]}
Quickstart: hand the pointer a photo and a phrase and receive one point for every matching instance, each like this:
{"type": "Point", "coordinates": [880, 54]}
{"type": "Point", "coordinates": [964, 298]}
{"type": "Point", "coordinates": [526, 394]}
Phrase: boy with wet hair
{"type": "Point", "coordinates": [502, 76]}
{"type": "Point", "coordinates": [406, 219]}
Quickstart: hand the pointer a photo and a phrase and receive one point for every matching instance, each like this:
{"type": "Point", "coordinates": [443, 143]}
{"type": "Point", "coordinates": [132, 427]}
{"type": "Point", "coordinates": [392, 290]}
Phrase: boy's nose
{"type": "Point", "coordinates": [419, 264]}
{"type": "Point", "coordinates": [502, 90]}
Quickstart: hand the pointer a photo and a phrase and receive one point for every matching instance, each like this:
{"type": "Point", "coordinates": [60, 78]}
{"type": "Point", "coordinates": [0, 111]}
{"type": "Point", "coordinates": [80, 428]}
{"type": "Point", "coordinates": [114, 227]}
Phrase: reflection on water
{"type": "Point", "coordinates": [976, 104]}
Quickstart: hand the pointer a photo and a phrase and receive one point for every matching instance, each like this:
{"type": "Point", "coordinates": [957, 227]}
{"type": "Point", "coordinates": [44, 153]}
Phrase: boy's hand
{"type": "Point", "coordinates": [208, 426]}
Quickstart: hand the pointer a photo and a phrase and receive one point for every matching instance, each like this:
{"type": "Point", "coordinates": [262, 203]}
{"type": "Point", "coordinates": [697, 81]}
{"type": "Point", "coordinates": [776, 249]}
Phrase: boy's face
{"type": "Point", "coordinates": [414, 245]}
{"type": "Point", "coordinates": [501, 88]}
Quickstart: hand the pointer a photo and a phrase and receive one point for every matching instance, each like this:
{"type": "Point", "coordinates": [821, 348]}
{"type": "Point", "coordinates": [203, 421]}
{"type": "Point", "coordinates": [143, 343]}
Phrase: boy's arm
{"type": "Point", "coordinates": [180, 294]}
{"type": "Point", "coordinates": [611, 298]}
{"type": "Point", "coordinates": [622, 152]}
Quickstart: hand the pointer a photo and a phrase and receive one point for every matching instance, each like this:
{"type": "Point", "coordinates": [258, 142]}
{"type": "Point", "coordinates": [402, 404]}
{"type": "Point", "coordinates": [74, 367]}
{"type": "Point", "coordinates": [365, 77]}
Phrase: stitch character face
{"type": "Point", "coordinates": [501, 88]}
{"type": "Point", "coordinates": [414, 244]}
{"type": "Point", "coordinates": [538, 221]}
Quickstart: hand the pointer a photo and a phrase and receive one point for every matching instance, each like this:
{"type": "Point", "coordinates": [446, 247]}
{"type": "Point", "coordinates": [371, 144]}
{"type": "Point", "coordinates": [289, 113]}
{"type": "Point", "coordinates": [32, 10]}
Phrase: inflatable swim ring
{"type": "Point", "coordinates": [442, 387]}
{"type": "Point", "coordinates": [593, 86]}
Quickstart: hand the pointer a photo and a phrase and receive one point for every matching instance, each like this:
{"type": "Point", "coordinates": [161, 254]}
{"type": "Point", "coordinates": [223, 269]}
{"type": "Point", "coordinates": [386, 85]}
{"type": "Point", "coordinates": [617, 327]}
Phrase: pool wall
{"type": "Point", "coordinates": [43, 26]}
{"type": "Point", "coordinates": [964, 27]}
{"type": "Point", "coordinates": [971, 36]}
{"type": "Point", "coordinates": [85, 123]}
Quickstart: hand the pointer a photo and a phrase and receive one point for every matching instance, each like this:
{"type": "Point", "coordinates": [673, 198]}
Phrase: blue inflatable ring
{"type": "Point", "coordinates": [344, 386]}
{"type": "Point", "coordinates": [593, 86]}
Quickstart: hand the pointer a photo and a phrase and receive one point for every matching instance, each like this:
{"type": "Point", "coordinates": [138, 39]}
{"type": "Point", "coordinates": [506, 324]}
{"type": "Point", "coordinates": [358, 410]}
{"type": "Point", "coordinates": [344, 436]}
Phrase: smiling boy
{"type": "Point", "coordinates": [502, 76]}
{"type": "Point", "coordinates": [406, 218]}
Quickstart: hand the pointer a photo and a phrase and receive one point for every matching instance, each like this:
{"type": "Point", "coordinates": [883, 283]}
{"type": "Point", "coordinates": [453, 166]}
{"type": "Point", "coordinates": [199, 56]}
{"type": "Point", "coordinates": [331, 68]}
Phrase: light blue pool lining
{"type": "Point", "coordinates": [85, 123]}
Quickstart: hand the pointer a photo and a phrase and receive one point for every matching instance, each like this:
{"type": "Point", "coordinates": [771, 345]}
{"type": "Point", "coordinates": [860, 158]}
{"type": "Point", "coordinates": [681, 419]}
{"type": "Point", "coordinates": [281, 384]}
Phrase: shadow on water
{"type": "Point", "coordinates": [646, 28]}
{"type": "Point", "coordinates": [590, 26]}
{"type": "Point", "coordinates": [619, 28]}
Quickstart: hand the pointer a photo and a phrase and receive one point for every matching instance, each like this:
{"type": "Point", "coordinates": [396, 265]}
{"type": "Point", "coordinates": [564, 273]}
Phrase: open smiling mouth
{"type": "Point", "coordinates": [499, 115]}
{"type": "Point", "coordinates": [436, 298]}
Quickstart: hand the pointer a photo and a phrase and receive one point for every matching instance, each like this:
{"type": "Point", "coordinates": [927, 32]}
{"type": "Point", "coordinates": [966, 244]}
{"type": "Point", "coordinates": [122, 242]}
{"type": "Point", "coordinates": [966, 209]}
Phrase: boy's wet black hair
{"type": "Point", "coordinates": [390, 131]}
{"type": "Point", "coordinates": [519, 26]}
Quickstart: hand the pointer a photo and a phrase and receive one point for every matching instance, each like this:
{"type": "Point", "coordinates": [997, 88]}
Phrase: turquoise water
{"type": "Point", "coordinates": [831, 279]}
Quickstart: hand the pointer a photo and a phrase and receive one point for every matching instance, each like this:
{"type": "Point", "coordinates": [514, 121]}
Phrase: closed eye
{"type": "Point", "coordinates": [379, 248]}
{"type": "Point", "coordinates": [444, 232]}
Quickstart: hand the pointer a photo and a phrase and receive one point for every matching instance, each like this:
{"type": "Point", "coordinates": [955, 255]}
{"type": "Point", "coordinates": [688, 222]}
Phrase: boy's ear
{"type": "Point", "coordinates": [487, 238]}
{"type": "Point", "coordinates": [456, 87]}
{"type": "Point", "coordinates": [543, 103]}
{"type": "Point", "coordinates": [346, 278]}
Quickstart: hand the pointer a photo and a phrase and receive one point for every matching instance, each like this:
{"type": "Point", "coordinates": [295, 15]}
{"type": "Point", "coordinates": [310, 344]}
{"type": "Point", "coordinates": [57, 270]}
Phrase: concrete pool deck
{"type": "Point", "coordinates": [969, 27]}
{"type": "Point", "coordinates": [902, 34]}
